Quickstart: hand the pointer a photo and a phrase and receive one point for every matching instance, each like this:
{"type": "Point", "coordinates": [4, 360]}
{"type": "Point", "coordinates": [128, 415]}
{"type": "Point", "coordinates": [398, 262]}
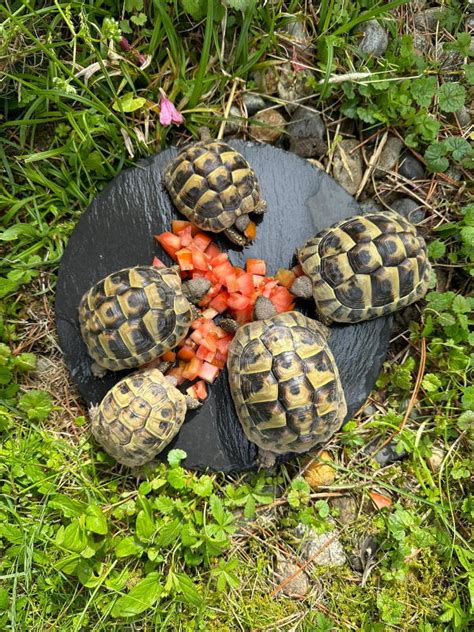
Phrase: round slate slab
{"type": "Point", "coordinates": [117, 230]}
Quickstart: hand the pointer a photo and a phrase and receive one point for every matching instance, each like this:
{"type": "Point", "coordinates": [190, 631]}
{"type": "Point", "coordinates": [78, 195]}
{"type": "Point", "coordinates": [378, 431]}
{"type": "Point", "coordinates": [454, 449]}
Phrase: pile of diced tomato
{"type": "Point", "coordinates": [234, 290]}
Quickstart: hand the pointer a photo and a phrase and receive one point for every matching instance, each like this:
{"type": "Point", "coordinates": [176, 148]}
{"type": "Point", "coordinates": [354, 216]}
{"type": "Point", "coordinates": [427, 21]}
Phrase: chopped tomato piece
{"type": "Point", "coordinates": [185, 259]}
{"type": "Point", "coordinates": [244, 315]}
{"type": "Point", "coordinates": [257, 280]}
{"type": "Point", "coordinates": [170, 243]}
{"type": "Point", "coordinates": [219, 360]}
{"type": "Point", "coordinates": [238, 301]}
{"type": "Point", "coordinates": [219, 302]}
{"type": "Point", "coordinates": [186, 236]}
{"type": "Point", "coordinates": [197, 336]}
{"type": "Point", "coordinates": [239, 271]}
{"type": "Point", "coordinates": [256, 266]}
{"type": "Point", "coordinates": [269, 287]}
{"type": "Point", "coordinates": [282, 299]}
{"type": "Point", "coordinates": [209, 313]}
{"type": "Point", "coordinates": [210, 342]}
{"type": "Point", "coordinates": [192, 369]}
{"type": "Point", "coordinates": [232, 283]}
{"type": "Point", "coordinates": [213, 250]}
{"type": "Point", "coordinates": [203, 353]}
{"type": "Point", "coordinates": [222, 257]}
{"type": "Point", "coordinates": [285, 277]}
{"type": "Point", "coordinates": [223, 270]}
{"type": "Point", "coordinates": [177, 372]}
{"type": "Point", "coordinates": [223, 345]}
{"type": "Point", "coordinates": [245, 284]}
{"type": "Point", "coordinates": [202, 241]}
{"type": "Point", "coordinates": [169, 356]}
{"type": "Point", "coordinates": [177, 225]}
{"type": "Point", "coordinates": [201, 389]}
{"type": "Point", "coordinates": [251, 231]}
{"type": "Point", "coordinates": [158, 263]}
{"type": "Point", "coordinates": [186, 353]}
{"type": "Point", "coordinates": [208, 372]}
{"type": "Point", "coordinates": [200, 261]}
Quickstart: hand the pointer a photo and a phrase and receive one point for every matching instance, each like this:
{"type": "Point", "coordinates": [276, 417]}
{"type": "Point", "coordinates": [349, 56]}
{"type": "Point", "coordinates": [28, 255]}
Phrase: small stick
{"type": "Point", "coordinates": [227, 110]}
{"type": "Point", "coordinates": [370, 167]}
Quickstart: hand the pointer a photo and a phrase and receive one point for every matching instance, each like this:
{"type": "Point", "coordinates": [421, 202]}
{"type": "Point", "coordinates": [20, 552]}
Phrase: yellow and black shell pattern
{"type": "Point", "coordinates": [138, 417]}
{"type": "Point", "coordinates": [366, 266]}
{"type": "Point", "coordinates": [133, 316]}
{"type": "Point", "coordinates": [212, 184]}
{"type": "Point", "coordinates": [285, 383]}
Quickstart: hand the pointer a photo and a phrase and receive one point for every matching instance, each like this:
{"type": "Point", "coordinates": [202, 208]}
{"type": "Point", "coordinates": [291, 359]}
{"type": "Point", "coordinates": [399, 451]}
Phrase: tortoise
{"type": "Point", "coordinates": [139, 417]}
{"type": "Point", "coordinates": [133, 316]}
{"type": "Point", "coordinates": [215, 188]}
{"type": "Point", "coordinates": [284, 382]}
{"type": "Point", "coordinates": [363, 267]}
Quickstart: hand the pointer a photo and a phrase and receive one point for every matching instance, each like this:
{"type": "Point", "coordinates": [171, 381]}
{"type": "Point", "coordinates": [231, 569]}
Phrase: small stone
{"type": "Point", "coordinates": [253, 103]}
{"type": "Point", "coordinates": [266, 80]}
{"type": "Point", "coordinates": [463, 116]}
{"type": "Point", "coordinates": [296, 587]}
{"type": "Point", "coordinates": [347, 167]}
{"type": "Point", "coordinates": [301, 40]}
{"type": "Point", "coordinates": [270, 127]}
{"type": "Point", "coordinates": [306, 132]}
{"type": "Point", "coordinates": [411, 168]}
{"type": "Point", "coordinates": [386, 455]}
{"type": "Point", "coordinates": [409, 208]}
{"type": "Point", "coordinates": [347, 508]}
{"type": "Point", "coordinates": [234, 123]}
{"type": "Point", "coordinates": [330, 554]}
{"type": "Point", "coordinates": [428, 19]}
{"type": "Point", "coordinates": [454, 173]}
{"type": "Point", "coordinates": [374, 40]}
{"type": "Point", "coordinates": [320, 474]}
{"type": "Point", "coordinates": [292, 86]}
{"type": "Point", "coordinates": [297, 30]}
{"type": "Point", "coordinates": [389, 156]}
{"type": "Point", "coordinates": [370, 410]}
{"type": "Point", "coordinates": [470, 21]}
{"type": "Point", "coordinates": [436, 458]}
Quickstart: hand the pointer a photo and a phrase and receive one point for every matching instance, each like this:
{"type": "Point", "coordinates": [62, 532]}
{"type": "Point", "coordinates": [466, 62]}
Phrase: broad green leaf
{"type": "Point", "coordinates": [240, 5]}
{"type": "Point", "coordinates": [168, 533]}
{"type": "Point", "coordinates": [128, 546]}
{"type": "Point", "coordinates": [436, 249]}
{"type": "Point", "coordinates": [462, 305]}
{"type": "Point", "coordinates": [423, 90]}
{"type": "Point", "coordinates": [73, 537]}
{"type": "Point", "coordinates": [176, 456]}
{"type": "Point", "coordinates": [69, 507]}
{"type": "Point", "coordinates": [145, 527]}
{"type": "Point", "coordinates": [451, 96]}
{"type": "Point", "coordinates": [3, 599]}
{"type": "Point", "coordinates": [189, 591]}
{"type": "Point", "coordinates": [469, 73]}
{"type": "Point", "coordinates": [25, 361]}
{"type": "Point", "coordinates": [467, 400]}
{"type": "Point", "coordinates": [435, 156]}
{"type": "Point", "coordinates": [128, 103]}
{"type": "Point", "coordinates": [18, 230]}
{"type": "Point", "coordinates": [203, 486]}
{"type": "Point", "coordinates": [142, 597]}
{"type": "Point", "coordinates": [96, 520]}
{"type": "Point", "coordinates": [36, 404]}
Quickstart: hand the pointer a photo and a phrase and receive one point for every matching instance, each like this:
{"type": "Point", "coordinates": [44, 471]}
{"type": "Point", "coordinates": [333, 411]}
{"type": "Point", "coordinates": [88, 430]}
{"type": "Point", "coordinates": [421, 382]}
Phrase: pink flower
{"type": "Point", "coordinates": [168, 113]}
{"type": "Point", "coordinates": [297, 67]}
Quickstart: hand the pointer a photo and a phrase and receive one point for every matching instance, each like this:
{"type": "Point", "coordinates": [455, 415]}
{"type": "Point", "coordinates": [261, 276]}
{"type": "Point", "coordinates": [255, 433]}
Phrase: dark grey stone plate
{"type": "Point", "coordinates": [117, 231]}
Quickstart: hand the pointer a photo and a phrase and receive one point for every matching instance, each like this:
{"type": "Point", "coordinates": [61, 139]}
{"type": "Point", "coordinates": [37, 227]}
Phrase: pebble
{"type": "Point", "coordinates": [387, 455]}
{"type": "Point", "coordinates": [320, 474]}
{"type": "Point", "coordinates": [271, 128]}
{"type": "Point", "coordinates": [436, 458]}
{"type": "Point", "coordinates": [234, 126]}
{"type": "Point", "coordinates": [389, 156]}
{"type": "Point", "coordinates": [374, 40]}
{"type": "Point", "coordinates": [428, 19]}
{"type": "Point", "coordinates": [454, 173]}
{"type": "Point", "coordinates": [347, 508]}
{"type": "Point", "coordinates": [296, 587]}
{"type": "Point", "coordinates": [409, 208]}
{"type": "Point", "coordinates": [266, 80]}
{"type": "Point", "coordinates": [331, 554]}
{"type": "Point", "coordinates": [347, 168]}
{"type": "Point", "coordinates": [470, 21]}
{"type": "Point", "coordinates": [370, 410]}
{"type": "Point", "coordinates": [306, 132]}
{"type": "Point", "coordinates": [292, 86]}
{"type": "Point", "coordinates": [463, 116]}
{"type": "Point", "coordinates": [411, 168]}
{"type": "Point", "coordinates": [253, 103]}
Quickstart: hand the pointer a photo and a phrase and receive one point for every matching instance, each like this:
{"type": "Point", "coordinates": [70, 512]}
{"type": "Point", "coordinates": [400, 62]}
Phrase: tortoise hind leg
{"type": "Point", "coordinates": [266, 459]}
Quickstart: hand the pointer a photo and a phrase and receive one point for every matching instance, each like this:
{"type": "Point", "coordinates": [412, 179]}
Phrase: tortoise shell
{"type": "Point", "coordinates": [212, 184]}
{"type": "Point", "coordinates": [285, 383]}
{"type": "Point", "coordinates": [133, 316]}
{"type": "Point", "coordinates": [138, 417]}
{"type": "Point", "coordinates": [366, 266]}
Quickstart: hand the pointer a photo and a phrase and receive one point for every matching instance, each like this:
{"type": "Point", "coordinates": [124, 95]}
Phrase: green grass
{"type": "Point", "coordinates": [84, 545]}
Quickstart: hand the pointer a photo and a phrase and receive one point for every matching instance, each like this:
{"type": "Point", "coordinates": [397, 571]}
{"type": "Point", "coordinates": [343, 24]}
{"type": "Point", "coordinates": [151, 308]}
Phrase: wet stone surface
{"type": "Point", "coordinates": [373, 38]}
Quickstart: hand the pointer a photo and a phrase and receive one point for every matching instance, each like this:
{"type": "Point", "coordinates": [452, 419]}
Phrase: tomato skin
{"type": "Point", "coordinates": [256, 266]}
{"type": "Point", "coordinates": [223, 270]}
{"type": "Point", "coordinates": [208, 372]}
{"type": "Point", "coordinates": [213, 250]}
{"type": "Point", "coordinates": [169, 356]}
{"type": "Point", "coordinates": [170, 243]}
{"type": "Point", "coordinates": [202, 241]}
{"type": "Point", "coordinates": [186, 353]}
{"type": "Point", "coordinates": [185, 259]}
{"type": "Point", "coordinates": [245, 284]}
{"type": "Point", "coordinates": [219, 302]}
{"type": "Point", "coordinates": [158, 263]}
{"type": "Point", "coordinates": [238, 301]}
{"type": "Point", "coordinates": [177, 225]}
{"type": "Point", "coordinates": [251, 231]}
{"type": "Point", "coordinates": [186, 235]}
{"type": "Point", "coordinates": [192, 368]}
{"type": "Point", "coordinates": [200, 261]}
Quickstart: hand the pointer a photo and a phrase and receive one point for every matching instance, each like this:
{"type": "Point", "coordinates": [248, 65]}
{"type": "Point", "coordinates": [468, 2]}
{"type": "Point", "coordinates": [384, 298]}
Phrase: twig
{"type": "Point", "coordinates": [348, 76]}
{"type": "Point", "coordinates": [227, 110]}
{"type": "Point", "coordinates": [414, 395]}
{"type": "Point", "coordinates": [372, 162]}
